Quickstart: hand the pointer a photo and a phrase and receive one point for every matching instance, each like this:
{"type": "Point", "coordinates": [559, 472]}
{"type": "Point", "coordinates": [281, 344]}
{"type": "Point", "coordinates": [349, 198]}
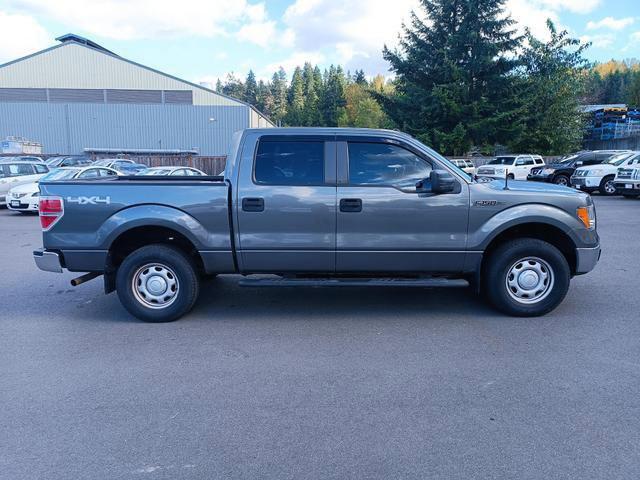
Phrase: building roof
{"type": "Point", "coordinates": [73, 39]}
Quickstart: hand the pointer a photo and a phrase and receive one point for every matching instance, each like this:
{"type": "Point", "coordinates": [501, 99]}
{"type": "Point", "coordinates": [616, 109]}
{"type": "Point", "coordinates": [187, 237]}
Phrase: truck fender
{"type": "Point", "coordinates": [152, 215]}
{"type": "Point", "coordinates": [480, 239]}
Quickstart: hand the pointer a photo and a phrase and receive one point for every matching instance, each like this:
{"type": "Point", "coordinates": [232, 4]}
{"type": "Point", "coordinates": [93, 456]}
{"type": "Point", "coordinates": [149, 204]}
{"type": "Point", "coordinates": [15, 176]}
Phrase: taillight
{"type": "Point", "coordinates": [51, 210]}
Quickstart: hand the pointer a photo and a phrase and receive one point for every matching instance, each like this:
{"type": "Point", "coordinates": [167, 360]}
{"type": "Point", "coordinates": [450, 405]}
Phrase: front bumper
{"type": "Point", "coordinates": [628, 187]}
{"type": "Point", "coordinates": [47, 260]}
{"type": "Point", "coordinates": [586, 183]}
{"type": "Point", "coordinates": [586, 259]}
{"type": "Point", "coordinates": [21, 206]}
{"type": "Point", "coordinates": [540, 178]}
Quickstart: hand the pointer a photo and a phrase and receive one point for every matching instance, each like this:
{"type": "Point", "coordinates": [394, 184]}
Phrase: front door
{"type": "Point", "coordinates": [286, 206]}
{"type": "Point", "coordinates": [384, 224]}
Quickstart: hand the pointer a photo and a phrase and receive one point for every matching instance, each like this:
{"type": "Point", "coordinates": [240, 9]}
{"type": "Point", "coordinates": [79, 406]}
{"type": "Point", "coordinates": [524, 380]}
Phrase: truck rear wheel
{"type": "Point", "coordinates": [526, 277]}
{"type": "Point", "coordinates": [157, 283]}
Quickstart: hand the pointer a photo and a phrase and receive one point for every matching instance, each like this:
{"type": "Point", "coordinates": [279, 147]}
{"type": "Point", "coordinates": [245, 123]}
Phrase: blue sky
{"type": "Point", "coordinates": [202, 40]}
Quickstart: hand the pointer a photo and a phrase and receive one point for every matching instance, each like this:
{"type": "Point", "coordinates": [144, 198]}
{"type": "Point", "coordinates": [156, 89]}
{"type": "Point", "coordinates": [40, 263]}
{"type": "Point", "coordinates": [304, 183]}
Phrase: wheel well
{"type": "Point", "coordinates": [541, 231]}
{"type": "Point", "coordinates": [138, 237]}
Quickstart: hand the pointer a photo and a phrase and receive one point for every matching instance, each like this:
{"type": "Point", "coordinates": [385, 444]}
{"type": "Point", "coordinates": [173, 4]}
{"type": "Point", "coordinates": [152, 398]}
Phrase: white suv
{"type": "Point", "coordinates": [516, 167]}
{"type": "Point", "coordinates": [601, 177]}
{"type": "Point", "coordinates": [16, 172]}
{"type": "Point", "coordinates": [627, 180]}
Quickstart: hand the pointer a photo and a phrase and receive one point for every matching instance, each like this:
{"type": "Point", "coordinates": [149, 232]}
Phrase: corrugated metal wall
{"type": "Point", "coordinates": [69, 128]}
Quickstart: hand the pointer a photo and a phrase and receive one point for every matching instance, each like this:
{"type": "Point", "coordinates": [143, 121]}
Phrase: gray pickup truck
{"type": "Point", "coordinates": [316, 207]}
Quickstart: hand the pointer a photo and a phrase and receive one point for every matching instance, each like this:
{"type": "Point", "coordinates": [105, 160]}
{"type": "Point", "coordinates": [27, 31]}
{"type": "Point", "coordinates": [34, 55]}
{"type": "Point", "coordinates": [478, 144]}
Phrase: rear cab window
{"type": "Point", "coordinates": [295, 162]}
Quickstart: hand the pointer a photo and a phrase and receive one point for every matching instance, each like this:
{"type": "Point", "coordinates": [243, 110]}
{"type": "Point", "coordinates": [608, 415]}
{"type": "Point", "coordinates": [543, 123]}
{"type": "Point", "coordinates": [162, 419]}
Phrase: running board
{"type": "Point", "coordinates": [354, 282]}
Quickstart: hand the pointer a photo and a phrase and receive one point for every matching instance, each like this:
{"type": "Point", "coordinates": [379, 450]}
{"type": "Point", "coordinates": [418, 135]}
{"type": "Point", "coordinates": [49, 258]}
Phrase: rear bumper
{"type": "Point", "coordinates": [587, 258]}
{"type": "Point", "coordinates": [628, 187]}
{"type": "Point", "coordinates": [47, 260]}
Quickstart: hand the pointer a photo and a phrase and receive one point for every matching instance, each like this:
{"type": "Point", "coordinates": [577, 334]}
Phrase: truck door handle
{"type": "Point", "coordinates": [253, 204]}
{"type": "Point", "coordinates": [350, 205]}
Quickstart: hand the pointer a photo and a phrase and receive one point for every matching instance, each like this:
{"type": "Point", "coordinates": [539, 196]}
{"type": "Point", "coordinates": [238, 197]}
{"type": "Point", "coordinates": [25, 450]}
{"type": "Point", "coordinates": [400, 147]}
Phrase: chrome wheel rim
{"type": "Point", "coordinates": [562, 181]}
{"type": "Point", "coordinates": [155, 285]}
{"type": "Point", "coordinates": [609, 187]}
{"type": "Point", "coordinates": [529, 280]}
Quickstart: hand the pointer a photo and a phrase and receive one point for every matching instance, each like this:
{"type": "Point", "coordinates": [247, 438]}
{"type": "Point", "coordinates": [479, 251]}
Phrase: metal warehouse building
{"type": "Point", "coordinates": [78, 96]}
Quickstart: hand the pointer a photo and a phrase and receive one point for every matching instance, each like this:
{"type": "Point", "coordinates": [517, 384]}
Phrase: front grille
{"type": "Point", "coordinates": [487, 171]}
{"type": "Point", "coordinates": [625, 173]}
{"type": "Point", "coordinates": [577, 181]}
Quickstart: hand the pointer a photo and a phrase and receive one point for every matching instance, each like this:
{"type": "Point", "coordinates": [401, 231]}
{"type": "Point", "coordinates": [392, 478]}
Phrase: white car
{"type": "Point", "coordinates": [16, 172]}
{"type": "Point", "coordinates": [516, 167]}
{"type": "Point", "coordinates": [602, 176]}
{"type": "Point", "coordinates": [179, 171]}
{"type": "Point", "coordinates": [464, 165]}
{"type": "Point", "coordinates": [24, 198]}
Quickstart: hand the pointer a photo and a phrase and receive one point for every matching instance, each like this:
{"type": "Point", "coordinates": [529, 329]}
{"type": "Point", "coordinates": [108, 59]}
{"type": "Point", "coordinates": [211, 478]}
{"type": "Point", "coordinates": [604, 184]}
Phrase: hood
{"type": "Point", "coordinates": [601, 166]}
{"type": "Point", "coordinates": [28, 188]}
{"type": "Point", "coordinates": [534, 188]}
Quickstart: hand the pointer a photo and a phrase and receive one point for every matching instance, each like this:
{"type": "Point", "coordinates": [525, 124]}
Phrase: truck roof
{"type": "Point", "coordinates": [328, 131]}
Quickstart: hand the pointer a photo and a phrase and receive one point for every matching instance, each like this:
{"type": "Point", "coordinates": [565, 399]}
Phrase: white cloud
{"type": "Point", "coordinates": [133, 19]}
{"type": "Point", "coordinates": [610, 23]}
{"type": "Point", "coordinates": [533, 15]}
{"type": "Point", "coordinates": [297, 59]}
{"type": "Point", "coordinates": [604, 40]}
{"type": "Point", "coordinates": [635, 36]}
{"type": "Point", "coordinates": [21, 35]}
{"type": "Point", "coordinates": [575, 6]}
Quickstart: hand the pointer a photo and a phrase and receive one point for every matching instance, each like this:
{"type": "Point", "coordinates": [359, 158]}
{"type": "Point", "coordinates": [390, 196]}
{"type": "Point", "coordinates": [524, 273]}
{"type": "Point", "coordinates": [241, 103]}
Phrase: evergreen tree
{"type": "Point", "coordinates": [251, 89]}
{"type": "Point", "coordinates": [233, 87]}
{"type": "Point", "coordinates": [333, 101]}
{"type": "Point", "coordinates": [453, 75]}
{"type": "Point", "coordinates": [295, 109]}
{"type": "Point", "coordinates": [279, 94]}
{"type": "Point", "coordinates": [360, 78]}
{"type": "Point", "coordinates": [554, 82]}
{"type": "Point", "coordinates": [219, 86]}
{"type": "Point", "coordinates": [310, 113]}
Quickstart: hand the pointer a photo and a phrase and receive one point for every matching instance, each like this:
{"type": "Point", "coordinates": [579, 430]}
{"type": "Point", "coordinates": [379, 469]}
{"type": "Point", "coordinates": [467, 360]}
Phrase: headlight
{"type": "Point", "coordinates": [499, 170]}
{"type": "Point", "coordinates": [595, 173]}
{"type": "Point", "coordinates": [636, 174]}
{"type": "Point", "coordinates": [587, 216]}
{"type": "Point", "coordinates": [547, 171]}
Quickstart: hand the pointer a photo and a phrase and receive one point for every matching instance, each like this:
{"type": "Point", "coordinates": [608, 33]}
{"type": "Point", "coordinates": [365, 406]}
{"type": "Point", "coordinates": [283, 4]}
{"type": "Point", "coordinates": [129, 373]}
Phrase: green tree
{"type": "Point", "coordinates": [454, 74]}
{"type": "Point", "coordinates": [295, 98]}
{"type": "Point", "coordinates": [279, 94]}
{"type": "Point", "coordinates": [333, 101]}
{"type": "Point", "coordinates": [554, 80]}
{"type": "Point", "coordinates": [251, 89]}
{"type": "Point", "coordinates": [233, 87]}
{"type": "Point", "coordinates": [310, 114]}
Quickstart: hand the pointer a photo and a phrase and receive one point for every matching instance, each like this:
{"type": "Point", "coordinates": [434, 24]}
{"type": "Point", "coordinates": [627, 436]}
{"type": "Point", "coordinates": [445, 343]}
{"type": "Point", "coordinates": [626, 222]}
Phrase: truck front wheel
{"type": "Point", "coordinates": [157, 283]}
{"type": "Point", "coordinates": [526, 277]}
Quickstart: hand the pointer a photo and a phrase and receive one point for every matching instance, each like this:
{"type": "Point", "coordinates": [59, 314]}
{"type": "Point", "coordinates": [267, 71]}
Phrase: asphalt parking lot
{"type": "Point", "coordinates": [320, 383]}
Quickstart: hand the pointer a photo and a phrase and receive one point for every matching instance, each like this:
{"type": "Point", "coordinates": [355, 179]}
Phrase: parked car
{"type": "Point", "coordinates": [465, 165]}
{"type": "Point", "coordinates": [123, 165]}
{"type": "Point", "coordinates": [68, 161]}
{"type": "Point", "coordinates": [173, 171]}
{"type": "Point", "coordinates": [28, 158]}
{"type": "Point", "coordinates": [24, 198]}
{"type": "Point", "coordinates": [560, 172]}
{"type": "Point", "coordinates": [16, 172]}
{"type": "Point", "coordinates": [320, 207]}
{"type": "Point", "coordinates": [601, 177]}
{"type": "Point", "coordinates": [627, 181]}
{"type": "Point", "coordinates": [518, 166]}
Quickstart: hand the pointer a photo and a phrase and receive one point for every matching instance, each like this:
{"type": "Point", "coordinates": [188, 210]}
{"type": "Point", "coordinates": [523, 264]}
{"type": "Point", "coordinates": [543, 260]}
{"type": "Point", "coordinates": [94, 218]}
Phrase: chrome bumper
{"type": "Point", "coordinates": [587, 258]}
{"type": "Point", "coordinates": [47, 261]}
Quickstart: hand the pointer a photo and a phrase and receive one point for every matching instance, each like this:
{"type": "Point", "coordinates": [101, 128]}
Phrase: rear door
{"type": "Point", "coordinates": [383, 224]}
{"type": "Point", "coordinates": [286, 205]}
{"type": "Point", "coordinates": [522, 167]}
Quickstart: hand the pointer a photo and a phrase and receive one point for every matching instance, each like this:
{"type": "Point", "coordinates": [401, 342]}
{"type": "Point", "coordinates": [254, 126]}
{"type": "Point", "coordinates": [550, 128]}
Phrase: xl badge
{"type": "Point", "coordinates": [95, 200]}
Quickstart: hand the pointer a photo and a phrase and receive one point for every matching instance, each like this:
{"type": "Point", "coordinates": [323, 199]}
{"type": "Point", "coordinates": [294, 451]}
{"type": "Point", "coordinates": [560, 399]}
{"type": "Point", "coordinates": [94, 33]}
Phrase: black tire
{"type": "Point", "coordinates": [506, 258]}
{"type": "Point", "coordinates": [168, 264]}
{"type": "Point", "coordinates": [562, 180]}
{"type": "Point", "coordinates": [605, 186]}
{"type": "Point", "coordinates": [511, 176]}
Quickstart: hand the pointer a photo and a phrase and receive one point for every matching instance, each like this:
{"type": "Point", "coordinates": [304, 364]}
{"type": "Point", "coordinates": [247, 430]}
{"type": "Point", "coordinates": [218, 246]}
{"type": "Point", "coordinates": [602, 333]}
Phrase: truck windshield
{"type": "Point", "coordinates": [502, 161]}
{"type": "Point", "coordinates": [618, 159]}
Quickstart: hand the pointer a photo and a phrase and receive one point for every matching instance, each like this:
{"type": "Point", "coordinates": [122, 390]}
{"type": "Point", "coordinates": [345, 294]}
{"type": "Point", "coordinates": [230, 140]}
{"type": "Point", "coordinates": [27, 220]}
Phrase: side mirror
{"type": "Point", "coordinates": [442, 182]}
{"type": "Point", "coordinates": [579, 163]}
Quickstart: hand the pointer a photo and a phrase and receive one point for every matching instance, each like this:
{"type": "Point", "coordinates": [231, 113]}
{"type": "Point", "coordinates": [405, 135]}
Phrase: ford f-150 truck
{"type": "Point", "coordinates": [316, 207]}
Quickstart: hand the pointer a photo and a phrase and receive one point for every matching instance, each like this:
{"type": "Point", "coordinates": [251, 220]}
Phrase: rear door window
{"type": "Point", "coordinates": [20, 169]}
{"type": "Point", "coordinates": [41, 168]}
{"type": "Point", "coordinates": [289, 163]}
